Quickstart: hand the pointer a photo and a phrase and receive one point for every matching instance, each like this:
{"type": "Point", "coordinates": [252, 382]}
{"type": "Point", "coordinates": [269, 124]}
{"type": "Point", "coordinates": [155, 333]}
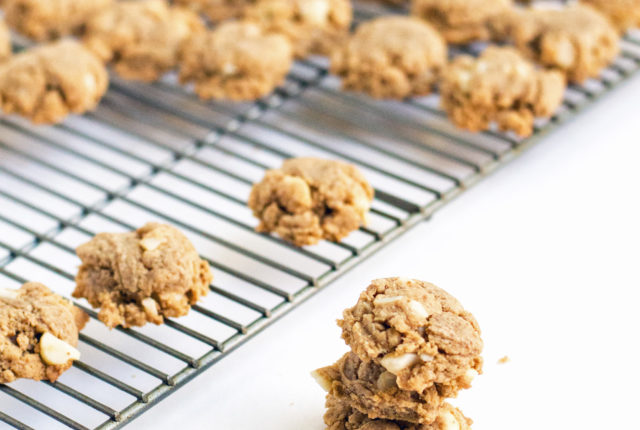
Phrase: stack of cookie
{"type": "Point", "coordinates": [412, 346]}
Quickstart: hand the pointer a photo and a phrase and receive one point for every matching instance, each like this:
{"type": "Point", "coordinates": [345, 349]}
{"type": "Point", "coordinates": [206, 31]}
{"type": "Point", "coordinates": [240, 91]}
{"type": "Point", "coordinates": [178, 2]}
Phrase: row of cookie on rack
{"type": "Point", "coordinates": [247, 57]}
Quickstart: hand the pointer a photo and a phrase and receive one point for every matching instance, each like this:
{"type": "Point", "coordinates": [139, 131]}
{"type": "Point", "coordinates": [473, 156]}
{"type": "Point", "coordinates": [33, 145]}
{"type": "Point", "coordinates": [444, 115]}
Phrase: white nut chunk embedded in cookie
{"type": "Point", "coordinates": [322, 380]}
{"type": "Point", "coordinates": [56, 352]}
{"type": "Point", "coordinates": [8, 293]}
{"type": "Point", "coordinates": [416, 331]}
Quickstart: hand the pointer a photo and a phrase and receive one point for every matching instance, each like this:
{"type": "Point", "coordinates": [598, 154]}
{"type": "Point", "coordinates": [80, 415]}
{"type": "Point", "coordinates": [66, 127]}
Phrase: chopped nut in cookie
{"type": "Point", "coordinates": [141, 39]}
{"type": "Point", "coordinates": [142, 276]}
{"type": "Point", "coordinates": [309, 199]}
{"type": "Point", "coordinates": [312, 26]}
{"type": "Point", "coordinates": [577, 40]}
{"type": "Point", "coordinates": [499, 87]}
{"type": "Point", "coordinates": [460, 21]}
{"type": "Point", "coordinates": [51, 19]}
{"type": "Point", "coordinates": [229, 62]}
{"type": "Point", "coordinates": [50, 81]}
{"type": "Point", "coordinates": [38, 333]}
{"type": "Point", "coordinates": [391, 57]}
{"type": "Point", "coordinates": [439, 345]}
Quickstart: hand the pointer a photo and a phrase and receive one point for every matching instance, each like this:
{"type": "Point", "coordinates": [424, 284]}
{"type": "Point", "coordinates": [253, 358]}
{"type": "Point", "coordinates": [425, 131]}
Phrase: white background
{"type": "Point", "coordinates": [545, 253]}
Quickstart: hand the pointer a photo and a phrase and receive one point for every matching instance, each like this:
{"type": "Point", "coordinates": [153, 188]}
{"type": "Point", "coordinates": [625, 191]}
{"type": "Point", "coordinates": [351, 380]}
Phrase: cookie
{"type": "Point", "coordinates": [416, 331]}
{"type": "Point", "coordinates": [501, 87]}
{"type": "Point", "coordinates": [460, 21]}
{"type": "Point", "coordinates": [312, 26]}
{"type": "Point", "coordinates": [236, 61]}
{"type": "Point", "coordinates": [217, 10]}
{"type": "Point", "coordinates": [576, 39]}
{"type": "Point", "coordinates": [391, 57]}
{"type": "Point", "coordinates": [141, 276]}
{"type": "Point", "coordinates": [51, 81]}
{"type": "Point", "coordinates": [309, 199]}
{"type": "Point", "coordinates": [51, 19]}
{"type": "Point", "coordinates": [369, 388]}
{"type": "Point", "coordinates": [341, 416]}
{"type": "Point", "coordinates": [38, 333]}
{"type": "Point", "coordinates": [5, 41]}
{"type": "Point", "coordinates": [624, 14]}
{"type": "Point", "coordinates": [141, 39]}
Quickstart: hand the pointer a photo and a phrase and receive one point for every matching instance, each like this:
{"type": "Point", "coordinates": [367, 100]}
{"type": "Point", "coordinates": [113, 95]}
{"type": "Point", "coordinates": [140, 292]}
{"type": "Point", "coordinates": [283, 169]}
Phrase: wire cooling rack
{"type": "Point", "coordinates": [154, 152]}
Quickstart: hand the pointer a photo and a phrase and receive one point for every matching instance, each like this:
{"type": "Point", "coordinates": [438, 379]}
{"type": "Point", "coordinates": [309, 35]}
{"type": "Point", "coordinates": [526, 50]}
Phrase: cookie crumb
{"type": "Point", "coordinates": [504, 360]}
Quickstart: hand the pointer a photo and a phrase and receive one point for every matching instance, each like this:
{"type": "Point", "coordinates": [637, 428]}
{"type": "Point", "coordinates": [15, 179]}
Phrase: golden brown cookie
{"type": "Point", "coordinates": [624, 14]}
{"type": "Point", "coordinates": [50, 19]}
{"type": "Point", "coordinates": [141, 38]}
{"type": "Point", "coordinates": [341, 416]}
{"type": "Point", "coordinates": [51, 81]}
{"type": "Point", "coordinates": [236, 61]}
{"type": "Point", "coordinates": [576, 39]}
{"type": "Point", "coordinates": [217, 10]}
{"type": "Point", "coordinates": [369, 388]}
{"type": "Point", "coordinates": [142, 276]}
{"type": "Point", "coordinates": [460, 21]}
{"type": "Point", "coordinates": [309, 199]}
{"type": "Point", "coordinates": [416, 331]}
{"type": "Point", "coordinates": [312, 26]}
{"type": "Point", "coordinates": [5, 41]}
{"type": "Point", "coordinates": [391, 57]}
{"type": "Point", "coordinates": [38, 333]}
{"type": "Point", "coordinates": [500, 87]}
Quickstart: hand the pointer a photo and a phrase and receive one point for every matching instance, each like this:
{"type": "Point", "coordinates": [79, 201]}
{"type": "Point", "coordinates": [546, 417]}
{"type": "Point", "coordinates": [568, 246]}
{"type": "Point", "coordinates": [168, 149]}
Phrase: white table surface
{"type": "Point", "coordinates": [544, 252]}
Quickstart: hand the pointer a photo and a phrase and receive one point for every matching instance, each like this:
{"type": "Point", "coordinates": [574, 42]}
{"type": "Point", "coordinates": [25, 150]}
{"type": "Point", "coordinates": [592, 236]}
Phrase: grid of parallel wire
{"type": "Point", "coordinates": [156, 152]}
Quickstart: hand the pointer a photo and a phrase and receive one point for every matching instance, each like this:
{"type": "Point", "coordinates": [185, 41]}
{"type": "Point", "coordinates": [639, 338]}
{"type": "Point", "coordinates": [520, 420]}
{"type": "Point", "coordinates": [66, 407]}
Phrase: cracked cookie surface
{"type": "Point", "coordinates": [341, 416]}
{"type": "Point", "coordinates": [416, 331]}
{"type": "Point", "coordinates": [624, 14]}
{"type": "Point", "coordinates": [576, 40]}
{"type": "Point", "coordinates": [501, 87]}
{"type": "Point", "coordinates": [312, 26]}
{"type": "Point", "coordinates": [235, 61]}
{"type": "Point", "coordinates": [51, 19]}
{"type": "Point", "coordinates": [26, 315]}
{"type": "Point", "coordinates": [48, 82]}
{"type": "Point", "coordinates": [141, 39]}
{"type": "Point", "coordinates": [141, 276]}
{"type": "Point", "coordinates": [391, 57]}
{"type": "Point", "coordinates": [371, 389]}
{"type": "Point", "coordinates": [217, 10]}
{"type": "Point", "coordinates": [309, 199]}
{"type": "Point", "coordinates": [460, 21]}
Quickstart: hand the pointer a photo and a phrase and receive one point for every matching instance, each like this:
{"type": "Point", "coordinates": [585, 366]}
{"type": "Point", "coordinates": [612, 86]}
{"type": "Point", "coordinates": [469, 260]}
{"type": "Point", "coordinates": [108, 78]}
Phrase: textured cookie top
{"type": "Point", "coordinates": [217, 10]}
{"type": "Point", "coordinates": [308, 199]}
{"type": "Point", "coordinates": [5, 41]}
{"type": "Point", "coordinates": [624, 14]}
{"type": "Point", "coordinates": [341, 415]}
{"type": "Point", "coordinates": [500, 86]}
{"type": "Point", "coordinates": [230, 61]}
{"type": "Point", "coordinates": [576, 39]}
{"type": "Point", "coordinates": [371, 389]}
{"type": "Point", "coordinates": [142, 38]}
{"type": "Point", "coordinates": [415, 330]}
{"type": "Point", "coordinates": [141, 276]}
{"type": "Point", "coordinates": [50, 81]}
{"type": "Point", "coordinates": [391, 56]}
{"type": "Point", "coordinates": [313, 26]}
{"type": "Point", "coordinates": [460, 21]}
{"type": "Point", "coordinates": [50, 19]}
{"type": "Point", "coordinates": [26, 315]}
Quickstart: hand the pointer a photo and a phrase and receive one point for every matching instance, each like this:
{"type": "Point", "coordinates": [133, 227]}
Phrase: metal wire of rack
{"type": "Point", "coordinates": [154, 152]}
